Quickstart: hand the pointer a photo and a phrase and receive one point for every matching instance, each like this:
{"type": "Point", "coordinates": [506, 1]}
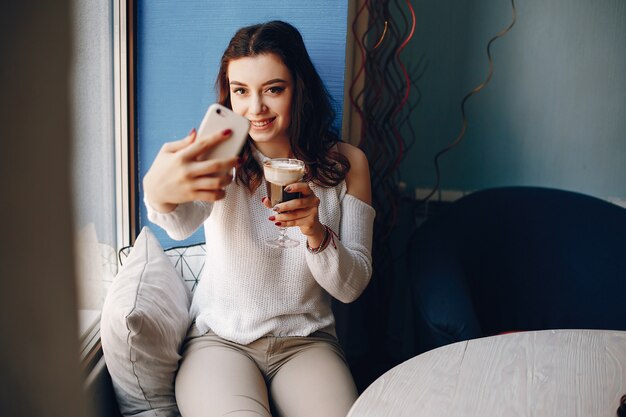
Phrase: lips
{"type": "Point", "coordinates": [260, 124]}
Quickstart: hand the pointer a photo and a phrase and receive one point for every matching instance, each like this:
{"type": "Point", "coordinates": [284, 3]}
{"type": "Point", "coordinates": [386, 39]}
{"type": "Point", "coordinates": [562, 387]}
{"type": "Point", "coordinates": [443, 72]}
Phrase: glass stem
{"type": "Point", "coordinates": [282, 233]}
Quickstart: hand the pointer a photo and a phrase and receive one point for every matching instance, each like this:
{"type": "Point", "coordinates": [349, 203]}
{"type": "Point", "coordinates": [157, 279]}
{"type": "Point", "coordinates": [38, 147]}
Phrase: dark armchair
{"type": "Point", "coordinates": [518, 258]}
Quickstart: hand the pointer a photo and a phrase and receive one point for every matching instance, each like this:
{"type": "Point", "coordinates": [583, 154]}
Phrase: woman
{"type": "Point", "coordinates": [263, 336]}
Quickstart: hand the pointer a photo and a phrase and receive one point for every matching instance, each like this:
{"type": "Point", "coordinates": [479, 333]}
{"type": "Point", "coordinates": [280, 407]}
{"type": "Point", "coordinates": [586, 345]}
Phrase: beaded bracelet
{"type": "Point", "coordinates": [329, 235]}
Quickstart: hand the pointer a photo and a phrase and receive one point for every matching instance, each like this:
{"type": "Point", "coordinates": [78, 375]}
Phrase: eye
{"type": "Point", "coordinates": [275, 90]}
{"type": "Point", "coordinates": [239, 91]}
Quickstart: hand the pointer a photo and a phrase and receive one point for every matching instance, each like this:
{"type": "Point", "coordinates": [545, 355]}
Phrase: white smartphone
{"type": "Point", "coordinates": [217, 119]}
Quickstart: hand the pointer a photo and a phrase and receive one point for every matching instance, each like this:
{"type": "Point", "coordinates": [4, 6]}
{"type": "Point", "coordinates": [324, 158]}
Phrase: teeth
{"type": "Point", "coordinates": [261, 124]}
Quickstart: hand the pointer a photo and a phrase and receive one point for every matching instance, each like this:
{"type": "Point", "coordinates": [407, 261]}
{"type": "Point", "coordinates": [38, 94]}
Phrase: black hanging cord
{"type": "Point", "coordinates": [463, 114]}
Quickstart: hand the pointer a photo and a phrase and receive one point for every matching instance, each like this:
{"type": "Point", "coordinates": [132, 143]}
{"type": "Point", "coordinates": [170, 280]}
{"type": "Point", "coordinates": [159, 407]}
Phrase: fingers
{"type": "Point", "coordinates": [209, 196]}
{"type": "Point", "coordinates": [306, 200]}
{"type": "Point", "coordinates": [209, 188]}
{"type": "Point", "coordinates": [299, 187]}
{"type": "Point", "coordinates": [296, 209]}
{"type": "Point", "coordinates": [294, 218]}
{"type": "Point", "coordinates": [212, 183]}
{"type": "Point", "coordinates": [300, 212]}
{"type": "Point", "coordinates": [212, 167]}
{"type": "Point", "coordinates": [202, 145]}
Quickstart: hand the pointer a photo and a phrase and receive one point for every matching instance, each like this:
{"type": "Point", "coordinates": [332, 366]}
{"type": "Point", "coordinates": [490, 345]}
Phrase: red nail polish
{"type": "Point", "coordinates": [272, 218]}
{"type": "Point", "coordinates": [191, 132]}
{"type": "Point", "coordinates": [278, 223]}
{"type": "Point", "coordinates": [263, 199]}
{"type": "Point", "coordinates": [227, 132]}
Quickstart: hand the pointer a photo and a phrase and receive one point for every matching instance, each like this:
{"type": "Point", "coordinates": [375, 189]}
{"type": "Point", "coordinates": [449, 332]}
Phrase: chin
{"type": "Point", "coordinates": [264, 137]}
{"type": "Point", "coordinates": [260, 138]}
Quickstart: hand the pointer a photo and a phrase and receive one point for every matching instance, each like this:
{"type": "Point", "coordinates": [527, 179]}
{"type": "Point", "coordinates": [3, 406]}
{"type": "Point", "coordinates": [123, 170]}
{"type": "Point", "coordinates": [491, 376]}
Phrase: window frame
{"type": "Point", "coordinates": [125, 161]}
{"type": "Point", "coordinates": [124, 99]}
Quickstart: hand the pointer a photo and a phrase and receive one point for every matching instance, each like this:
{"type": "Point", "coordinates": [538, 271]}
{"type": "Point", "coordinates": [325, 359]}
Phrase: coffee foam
{"type": "Point", "coordinates": [283, 173]}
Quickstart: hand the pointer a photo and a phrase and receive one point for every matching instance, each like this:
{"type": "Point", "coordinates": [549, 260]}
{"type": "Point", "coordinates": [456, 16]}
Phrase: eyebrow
{"type": "Point", "coordinates": [272, 81]}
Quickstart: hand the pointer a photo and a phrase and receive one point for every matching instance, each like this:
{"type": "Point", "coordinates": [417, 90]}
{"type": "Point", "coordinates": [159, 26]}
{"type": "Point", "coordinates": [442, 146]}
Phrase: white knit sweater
{"type": "Point", "coordinates": [249, 289]}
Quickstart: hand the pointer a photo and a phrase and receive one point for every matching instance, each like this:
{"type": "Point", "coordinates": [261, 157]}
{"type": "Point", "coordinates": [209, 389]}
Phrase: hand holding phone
{"type": "Point", "coordinates": [168, 183]}
{"type": "Point", "coordinates": [219, 118]}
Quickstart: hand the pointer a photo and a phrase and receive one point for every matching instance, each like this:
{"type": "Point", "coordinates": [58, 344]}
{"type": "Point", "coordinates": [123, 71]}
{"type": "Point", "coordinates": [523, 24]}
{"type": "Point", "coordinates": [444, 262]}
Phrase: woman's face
{"type": "Point", "coordinates": [261, 89]}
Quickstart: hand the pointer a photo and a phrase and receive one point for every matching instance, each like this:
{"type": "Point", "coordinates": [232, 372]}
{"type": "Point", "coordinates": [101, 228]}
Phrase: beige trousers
{"type": "Point", "coordinates": [291, 376]}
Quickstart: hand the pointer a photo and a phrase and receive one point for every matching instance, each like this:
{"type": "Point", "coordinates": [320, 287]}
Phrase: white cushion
{"type": "Point", "coordinates": [187, 260]}
{"type": "Point", "coordinates": [145, 318]}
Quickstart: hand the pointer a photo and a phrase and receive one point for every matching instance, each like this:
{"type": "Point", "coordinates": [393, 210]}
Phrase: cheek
{"type": "Point", "coordinates": [237, 105]}
{"type": "Point", "coordinates": [287, 117]}
{"type": "Point", "coordinates": [285, 109]}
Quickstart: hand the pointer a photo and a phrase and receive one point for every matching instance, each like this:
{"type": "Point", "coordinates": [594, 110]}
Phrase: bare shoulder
{"type": "Point", "coordinates": [356, 156]}
{"type": "Point", "coordinates": [358, 178]}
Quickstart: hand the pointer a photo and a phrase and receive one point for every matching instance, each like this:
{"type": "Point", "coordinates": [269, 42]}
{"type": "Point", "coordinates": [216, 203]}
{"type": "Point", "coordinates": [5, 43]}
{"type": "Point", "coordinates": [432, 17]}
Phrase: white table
{"type": "Point", "coordinates": [546, 373]}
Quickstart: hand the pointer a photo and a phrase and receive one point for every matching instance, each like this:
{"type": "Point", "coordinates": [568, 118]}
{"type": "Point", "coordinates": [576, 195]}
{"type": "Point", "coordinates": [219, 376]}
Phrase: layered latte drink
{"type": "Point", "coordinates": [278, 174]}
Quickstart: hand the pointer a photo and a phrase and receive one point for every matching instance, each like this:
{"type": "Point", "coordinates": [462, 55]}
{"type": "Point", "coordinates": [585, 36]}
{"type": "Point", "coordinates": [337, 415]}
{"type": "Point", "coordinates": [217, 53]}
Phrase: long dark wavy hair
{"type": "Point", "coordinates": [311, 133]}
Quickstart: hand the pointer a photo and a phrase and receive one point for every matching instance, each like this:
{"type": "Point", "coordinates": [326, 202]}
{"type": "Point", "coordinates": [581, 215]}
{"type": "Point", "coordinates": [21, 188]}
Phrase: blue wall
{"type": "Point", "coordinates": [179, 45]}
{"type": "Point", "coordinates": [554, 113]}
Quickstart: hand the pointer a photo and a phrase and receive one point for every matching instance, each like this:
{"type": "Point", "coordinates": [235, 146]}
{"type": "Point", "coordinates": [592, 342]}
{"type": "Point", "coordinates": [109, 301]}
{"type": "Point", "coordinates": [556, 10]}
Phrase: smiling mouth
{"type": "Point", "coordinates": [262, 123]}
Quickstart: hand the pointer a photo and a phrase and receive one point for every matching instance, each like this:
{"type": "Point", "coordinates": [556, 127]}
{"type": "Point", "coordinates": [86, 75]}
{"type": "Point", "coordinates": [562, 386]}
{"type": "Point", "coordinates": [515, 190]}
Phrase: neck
{"type": "Point", "coordinates": [274, 150]}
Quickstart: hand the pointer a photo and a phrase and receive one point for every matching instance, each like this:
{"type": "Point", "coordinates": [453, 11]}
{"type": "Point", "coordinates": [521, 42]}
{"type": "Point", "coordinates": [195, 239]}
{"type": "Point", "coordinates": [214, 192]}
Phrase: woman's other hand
{"type": "Point", "coordinates": [301, 212]}
{"type": "Point", "coordinates": [179, 174]}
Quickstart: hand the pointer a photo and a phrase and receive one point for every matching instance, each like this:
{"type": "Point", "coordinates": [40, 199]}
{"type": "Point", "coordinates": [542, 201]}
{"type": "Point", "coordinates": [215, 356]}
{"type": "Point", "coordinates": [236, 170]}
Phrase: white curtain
{"type": "Point", "coordinates": [93, 149]}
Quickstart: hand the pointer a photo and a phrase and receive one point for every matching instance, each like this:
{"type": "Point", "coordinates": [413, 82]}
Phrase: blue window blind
{"type": "Point", "coordinates": [178, 48]}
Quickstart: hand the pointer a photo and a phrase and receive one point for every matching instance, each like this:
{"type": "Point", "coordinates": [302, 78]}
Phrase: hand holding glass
{"type": "Point", "coordinates": [279, 173]}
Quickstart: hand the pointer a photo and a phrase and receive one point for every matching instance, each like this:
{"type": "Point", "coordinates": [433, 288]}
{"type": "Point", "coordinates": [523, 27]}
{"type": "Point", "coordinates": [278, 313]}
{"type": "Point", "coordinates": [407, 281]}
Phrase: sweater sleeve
{"type": "Point", "coordinates": [181, 222]}
{"type": "Point", "coordinates": [345, 267]}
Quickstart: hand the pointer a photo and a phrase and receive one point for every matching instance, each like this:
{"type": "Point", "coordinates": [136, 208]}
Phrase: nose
{"type": "Point", "coordinates": [258, 106]}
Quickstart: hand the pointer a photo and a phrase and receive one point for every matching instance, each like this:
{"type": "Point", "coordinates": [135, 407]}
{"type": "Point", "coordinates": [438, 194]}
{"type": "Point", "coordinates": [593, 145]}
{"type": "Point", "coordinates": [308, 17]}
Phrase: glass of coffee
{"type": "Point", "coordinates": [280, 172]}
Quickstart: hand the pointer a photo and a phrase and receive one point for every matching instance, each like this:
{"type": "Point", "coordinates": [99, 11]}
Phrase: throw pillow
{"type": "Point", "coordinates": [145, 318]}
